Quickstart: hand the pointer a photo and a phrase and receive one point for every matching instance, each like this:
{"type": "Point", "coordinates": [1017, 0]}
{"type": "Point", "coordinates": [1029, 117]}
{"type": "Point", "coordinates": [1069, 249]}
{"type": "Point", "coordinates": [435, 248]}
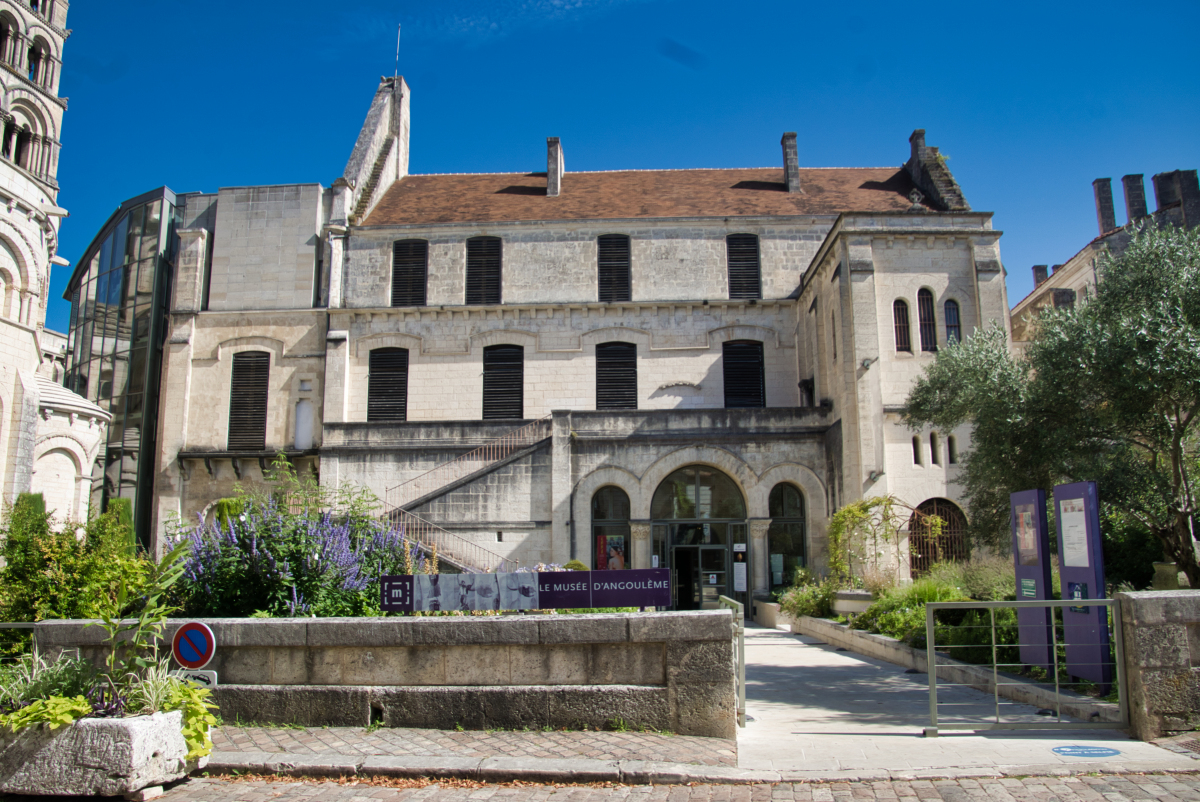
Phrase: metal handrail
{"type": "Point", "coordinates": [466, 464]}
{"type": "Point", "coordinates": [931, 665]}
{"type": "Point", "coordinates": [739, 646]}
{"type": "Point", "coordinates": [455, 548]}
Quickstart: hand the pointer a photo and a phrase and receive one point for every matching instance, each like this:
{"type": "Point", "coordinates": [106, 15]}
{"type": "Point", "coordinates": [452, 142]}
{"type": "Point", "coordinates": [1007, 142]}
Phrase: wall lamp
{"type": "Point", "coordinates": [866, 363]}
{"type": "Point", "coordinates": [874, 476]}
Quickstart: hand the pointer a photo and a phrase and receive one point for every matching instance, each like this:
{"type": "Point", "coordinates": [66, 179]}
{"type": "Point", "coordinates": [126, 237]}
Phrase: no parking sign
{"type": "Point", "coordinates": [193, 645]}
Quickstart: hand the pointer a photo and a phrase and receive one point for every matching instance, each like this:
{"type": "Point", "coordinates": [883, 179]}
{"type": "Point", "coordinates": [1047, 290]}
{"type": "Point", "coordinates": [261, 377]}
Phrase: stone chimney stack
{"type": "Point", "coordinates": [1135, 196]}
{"type": "Point", "coordinates": [1040, 275]}
{"type": "Point", "coordinates": [791, 162]}
{"type": "Point", "coordinates": [1179, 187]}
{"type": "Point", "coordinates": [1106, 215]}
{"type": "Point", "coordinates": [554, 167]}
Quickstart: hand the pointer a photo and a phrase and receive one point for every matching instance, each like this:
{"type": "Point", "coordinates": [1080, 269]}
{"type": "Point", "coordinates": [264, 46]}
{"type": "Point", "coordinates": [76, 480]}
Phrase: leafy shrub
{"type": "Point", "coordinates": [574, 565]}
{"type": "Point", "coordinates": [990, 578]}
{"type": "Point", "coordinates": [32, 676]}
{"type": "Point", "coordinates": [900, 613]}
{"type": "Point", "coordinates": [814, 598]}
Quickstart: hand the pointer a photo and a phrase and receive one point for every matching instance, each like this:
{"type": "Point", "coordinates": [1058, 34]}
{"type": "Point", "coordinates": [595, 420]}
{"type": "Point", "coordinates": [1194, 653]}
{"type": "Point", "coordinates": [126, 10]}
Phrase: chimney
{"type": "Point", "coordinates": [554, 167]}
{"type": "Point", "coordinates": [791, 162]}
{"type": "Point", "coordinates": [1039, 275]}
{"type": "Point", "coordinates": [1179, 187]}
{"type": "Point", "coordinates": [1135, 196]}
{"type": "Point", "coordinates": [1106, 216]}
{"type": "Point", "coordinates": [917, 141]}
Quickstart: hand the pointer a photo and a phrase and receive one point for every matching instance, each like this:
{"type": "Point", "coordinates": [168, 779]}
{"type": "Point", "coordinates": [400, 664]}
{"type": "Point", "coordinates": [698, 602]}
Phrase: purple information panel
{"type": "Point", "coordinates": [650, 587]}
{"type": "Point", "coordinates": [1031, 554]}
{"type": "Point", "coordinates": [1081, 570]}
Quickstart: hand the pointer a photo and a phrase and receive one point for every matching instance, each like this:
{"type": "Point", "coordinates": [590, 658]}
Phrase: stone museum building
{"type": "Point", "coordinates": [49, 437]}
{"type": "Point", "coordinates": [685, 369]}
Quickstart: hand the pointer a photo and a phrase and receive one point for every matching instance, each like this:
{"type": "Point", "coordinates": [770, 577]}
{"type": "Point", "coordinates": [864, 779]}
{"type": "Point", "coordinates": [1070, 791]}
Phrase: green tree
{"type": "Point", "coordinates": [1108, 391]}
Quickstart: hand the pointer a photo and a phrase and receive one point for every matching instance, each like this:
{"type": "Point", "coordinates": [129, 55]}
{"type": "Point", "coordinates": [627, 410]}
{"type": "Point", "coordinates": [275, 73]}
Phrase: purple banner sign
{"type": "Point", "coordinates": [1031, 555]}
{"type": "Point", "coordinates": [1081, 571]}
{"type": "Point", "coordinates": [650, 587]}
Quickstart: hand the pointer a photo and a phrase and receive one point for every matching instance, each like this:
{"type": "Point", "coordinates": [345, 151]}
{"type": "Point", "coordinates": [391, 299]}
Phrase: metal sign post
{"type": "Point", "coordinates": [1081, 571]}
{"type": "Point", "coordinates": [1031, 555]}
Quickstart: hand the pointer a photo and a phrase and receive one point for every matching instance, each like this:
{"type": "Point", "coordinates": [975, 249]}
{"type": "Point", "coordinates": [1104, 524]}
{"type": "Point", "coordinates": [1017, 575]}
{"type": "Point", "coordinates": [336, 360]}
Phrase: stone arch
{"type": "Point", "coordinates": [588, 486]}
{"type": "Point", "coordinates": [735, 468]}
{"type": "Point", "coordinates": [767, 336]}
{"type": "Point", "coordinates": [27, 106]}
{"type": "Point", "coordinates": [13, 240]}
{"type": "Point", "coordinates": [806, 479]}
{"type": "Point", "coordinates": [483, 339]}
{"type": "Point", "coordinates": [365, 345]}
{"type": "Point", "coordinates": [239, 344]}
{"type": "Point", "coordinates": [38, 33]}
{"type": "Point", "coordinates": [616, 334]}
{"type": "Point", "coordinates": [53, 457]}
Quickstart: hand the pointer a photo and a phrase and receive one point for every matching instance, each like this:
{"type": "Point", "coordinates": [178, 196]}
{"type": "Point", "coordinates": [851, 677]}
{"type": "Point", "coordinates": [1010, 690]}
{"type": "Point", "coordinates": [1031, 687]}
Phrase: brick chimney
{"type": "Point", "coordinates": [1040, 275]}
{"type": "Point", "coordinates": [1106, 216]}
{"type": "Point", "coordinates": [554, 167]}
{"type": "Point", "coordinates": [1135, 196]}
{"type": "Point", "coordinates": [1179, 187]}
{"type": "Point", "coordinates": [791, 162]}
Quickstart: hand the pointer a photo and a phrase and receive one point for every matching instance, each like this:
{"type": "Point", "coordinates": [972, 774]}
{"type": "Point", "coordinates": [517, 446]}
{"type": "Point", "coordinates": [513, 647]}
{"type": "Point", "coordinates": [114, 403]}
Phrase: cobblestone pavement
{"type": "Point", "coordinates": [351, 741]}
{"type": "Point", "coordinates": [1103, 788]}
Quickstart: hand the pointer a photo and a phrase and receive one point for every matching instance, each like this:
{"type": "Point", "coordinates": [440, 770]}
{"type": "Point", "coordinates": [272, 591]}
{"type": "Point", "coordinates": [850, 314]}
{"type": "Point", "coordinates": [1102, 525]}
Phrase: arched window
{"type": "Point", "coordinates": [951, 450]}
{"type": "Point", "coordinates": [610, 529]}
{"type": "Point", "coordinates": [927, 545]}
{"type": "Point", "coordinates": [900, 317]}
{"type": "Point", "coordinates": [410, 268]}
{"type": "Point", "coordinates": [21, 155]}
{"type": "Point", "coordinates": [697, 491]}
{"type": "Point", "coordinates": [616, 376]}
{"type": "Point", "coordinates": [935, 451]}
{"type": "Point", "coordinates": [745, 272]}
{"type": "Point", "coordinates": [927, 321]}
{"type": "Point", "coordinates": [786, 535]}
{"type": "Point", "coordinates": [916, 443]}
{"type": "Point", "coordinates": [36, 57]}
{"type": "Point", "coordinates": [248, 401]}
{"type": "Point", "coordinates": [613, 266]}
{"type": "Point", "coordinates": [953, 326]}
{"type": "Point", "coordinates": [742, 366]}
{"type": "Point", "coordinates": [483, 270]}
{"type": "Point", "coordinates": [387, 385]}
{"type": "Point", "coordinates": [503, 382]}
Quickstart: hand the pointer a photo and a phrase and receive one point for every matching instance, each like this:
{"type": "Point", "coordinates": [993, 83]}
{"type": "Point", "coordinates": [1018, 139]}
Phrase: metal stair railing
{"type": "Point", "coordinates": [467, 464]}
{"type": "Point", "coordinates": [449, 546]}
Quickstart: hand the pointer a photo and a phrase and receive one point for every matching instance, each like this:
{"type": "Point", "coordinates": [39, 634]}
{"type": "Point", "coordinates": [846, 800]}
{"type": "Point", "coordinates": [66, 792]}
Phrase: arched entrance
{"type": "Point", "coordinates": [699, 532]}
{"type": "Point", "coordinates": [924, 549]}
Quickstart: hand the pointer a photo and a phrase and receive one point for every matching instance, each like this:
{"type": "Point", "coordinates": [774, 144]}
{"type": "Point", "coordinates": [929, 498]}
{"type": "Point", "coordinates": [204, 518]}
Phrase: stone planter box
{"type": "Point", "coordinates": [852, 602]}
{"type": "Point", "coordinates": [95, 756]}
{"type": "Point", "coordinates": [768, 614]}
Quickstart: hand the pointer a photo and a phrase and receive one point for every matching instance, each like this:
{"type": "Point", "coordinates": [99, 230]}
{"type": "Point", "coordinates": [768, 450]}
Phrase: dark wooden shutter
{"type": "Point", "coordinates": [410, 265]}
{"type": "Point", "coordinates": [616, 376]}
{"type": "Point", "coordinates": [743, 367]}
{"type": "Point", "coordinates": [900, 316]}
{"type": "Point", "coordinates": [953, 327]}
{"type": "Point", "coordinates": [614, 265]}
{"type": "Point", "coordinates": [248, 401]}
{"type": "Point", "coordinates": [926, 319]}
{"type": "Point", "coordinates": [745, 276]}
{"type": "Point", "coordinates": [483, 270]}
{"type": "Point", "coordinates": [387, 385]}
{"type": "Point", "coordinates": [503, 382]}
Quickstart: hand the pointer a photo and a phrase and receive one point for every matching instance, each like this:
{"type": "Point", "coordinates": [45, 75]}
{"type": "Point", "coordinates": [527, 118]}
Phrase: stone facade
{"type": "Point", "coordinates": [1162, 660]}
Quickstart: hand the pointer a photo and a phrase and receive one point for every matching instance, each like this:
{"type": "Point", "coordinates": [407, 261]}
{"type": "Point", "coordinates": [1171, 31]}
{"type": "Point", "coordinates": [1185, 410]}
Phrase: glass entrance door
{"type": "Point", "coordinates": [699, 576]}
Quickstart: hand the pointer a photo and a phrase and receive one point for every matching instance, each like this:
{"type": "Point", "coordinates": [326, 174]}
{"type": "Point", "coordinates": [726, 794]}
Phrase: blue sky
{"type": "Point", "coordinates": [1030, 101]}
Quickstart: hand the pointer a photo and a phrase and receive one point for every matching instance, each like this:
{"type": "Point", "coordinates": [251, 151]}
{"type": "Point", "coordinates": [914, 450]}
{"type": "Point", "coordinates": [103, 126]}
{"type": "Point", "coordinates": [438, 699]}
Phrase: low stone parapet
{"type": "Point", "coordinates": [670, 671]}
{"type": "Point", "coordinates": [1162, 660]}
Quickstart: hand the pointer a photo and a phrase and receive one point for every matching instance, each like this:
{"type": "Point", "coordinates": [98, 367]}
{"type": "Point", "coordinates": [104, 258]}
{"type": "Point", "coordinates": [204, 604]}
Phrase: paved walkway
{"type": "Point", "coordinates": [823, 713]}
{"type": "Point", "coordinates": [353, 742]}
{"type": "Point", "coordinates": [1136, 788]}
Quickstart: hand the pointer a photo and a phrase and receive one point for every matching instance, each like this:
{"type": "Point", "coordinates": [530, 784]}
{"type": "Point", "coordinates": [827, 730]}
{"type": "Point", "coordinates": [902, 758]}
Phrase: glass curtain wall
{"type": "Point", "coordinates": [118, 297]}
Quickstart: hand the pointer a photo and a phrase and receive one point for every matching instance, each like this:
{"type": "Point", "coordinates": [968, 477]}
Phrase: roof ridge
{"type": "Point", "coordinates": [654, 170]}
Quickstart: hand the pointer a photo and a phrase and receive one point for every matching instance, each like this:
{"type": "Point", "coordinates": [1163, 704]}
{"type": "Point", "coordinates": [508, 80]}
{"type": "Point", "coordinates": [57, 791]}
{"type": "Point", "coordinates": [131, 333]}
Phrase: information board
{"type": "Point", "coordinates": [1081, 573]}
{"type": "Point", "coordinates": [553, 590]}
{"type": "Point", "coordinates": [1031, 555]}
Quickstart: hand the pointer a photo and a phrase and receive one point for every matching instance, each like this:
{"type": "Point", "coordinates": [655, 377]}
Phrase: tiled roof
{"type": "Point", "coordinates": [52, 395]}
{"type": "Point", "coordinates": [502, 197]}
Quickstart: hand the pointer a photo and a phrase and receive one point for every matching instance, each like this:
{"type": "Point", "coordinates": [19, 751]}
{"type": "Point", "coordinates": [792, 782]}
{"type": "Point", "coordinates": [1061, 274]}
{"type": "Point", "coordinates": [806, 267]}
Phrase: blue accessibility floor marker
{"type": "Point", "coordinates": [1085, 751]}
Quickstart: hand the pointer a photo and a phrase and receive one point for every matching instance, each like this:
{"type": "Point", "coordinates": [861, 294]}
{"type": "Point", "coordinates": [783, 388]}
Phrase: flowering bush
{"type": "Point", "coordinates": [299, 550]}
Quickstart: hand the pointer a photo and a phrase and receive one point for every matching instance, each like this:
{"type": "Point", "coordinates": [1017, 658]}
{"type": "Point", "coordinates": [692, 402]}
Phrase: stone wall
{"type": "Point", "coordinates": [670, 671]}
{"type": "Point", "coordinates": [1162, 660]}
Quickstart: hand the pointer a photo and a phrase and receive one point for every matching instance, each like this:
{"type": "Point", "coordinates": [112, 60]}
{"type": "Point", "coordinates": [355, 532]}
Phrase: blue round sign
{"type": "Point", "coordinates": [1085, 751]}
{"type": "Point", "coordinates": [194, 645]}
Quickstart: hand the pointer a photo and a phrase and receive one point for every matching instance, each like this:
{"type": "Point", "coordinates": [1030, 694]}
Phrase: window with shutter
{"type": "Point", "coordinates": [613, 262]}
{"type": "Point", "coordinates": [503, 382]}
{"type": "Point", "coordinates": [900, 316]}
{"type": "Point", "coordinates": [483, 270]}
{"type": "Point", "coordinates": [410, 267]}
{"type": "Point", "coordinates": [953, 327]}
{"type": "Point", "coordinates": [387, 385]}
{"type": "Point", "coordinates": [743, 368]}
{"type": "Point", "coordinates": [248, 401]}
{"type": "Point", "coordinates": [745, 275]}
{"type": "Point", "coordinates": [616, 376]}
{"type": "Point", "coordinates": [928, 323]}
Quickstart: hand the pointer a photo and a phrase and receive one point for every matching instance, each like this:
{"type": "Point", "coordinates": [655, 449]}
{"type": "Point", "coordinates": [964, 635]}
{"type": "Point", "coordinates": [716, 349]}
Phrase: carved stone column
{"type": "Point", "coordinates": [759, 578]}
{"type": "Point", "coordinates": [334, 257]}
{"type": "Point", "coordinates": [639, 533]}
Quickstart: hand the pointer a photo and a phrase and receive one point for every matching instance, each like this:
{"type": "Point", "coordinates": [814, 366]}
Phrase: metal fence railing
{"type": "Point", "coordinates": [739, 648]}
{"type": "Point", "coordinates": [457, 550]}
{"type": "Point", "coordinates": [978, 645]}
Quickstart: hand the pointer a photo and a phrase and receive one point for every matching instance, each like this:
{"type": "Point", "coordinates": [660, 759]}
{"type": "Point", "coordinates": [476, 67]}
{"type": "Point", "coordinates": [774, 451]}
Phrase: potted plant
{"type": "Point", "coordinates": [70, 728]}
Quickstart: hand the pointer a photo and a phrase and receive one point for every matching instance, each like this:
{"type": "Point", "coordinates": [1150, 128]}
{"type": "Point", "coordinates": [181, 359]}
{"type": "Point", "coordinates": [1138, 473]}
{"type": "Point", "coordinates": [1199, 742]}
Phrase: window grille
{"type": "Point", "coordinates": [953, 327]}
{"type": "Point", "coordinates": [950, 544]}
{"type": "Point", "coordinates": [745, 273]}
{"type": "Point", "coordinates": [613, 264]}
{"type": "Point", "coordinates": [483, 270]}
{"type": "Point", "coordinates": [928, 323]}
{"type": "Point", "coordinates": [743, 368]}
{"type": "Point", "coordinates": [616, 376]}
{"type": "Point", "coordinates": [387, 385]}
{"type": "Point", "coordinates": [248, 401]}
{"type": "Point", "coordinates": [503, 382]}
{"type": "Point", "coordinates": [900, 316]}
{"type": "Point", "coordinates": [410, 268]}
